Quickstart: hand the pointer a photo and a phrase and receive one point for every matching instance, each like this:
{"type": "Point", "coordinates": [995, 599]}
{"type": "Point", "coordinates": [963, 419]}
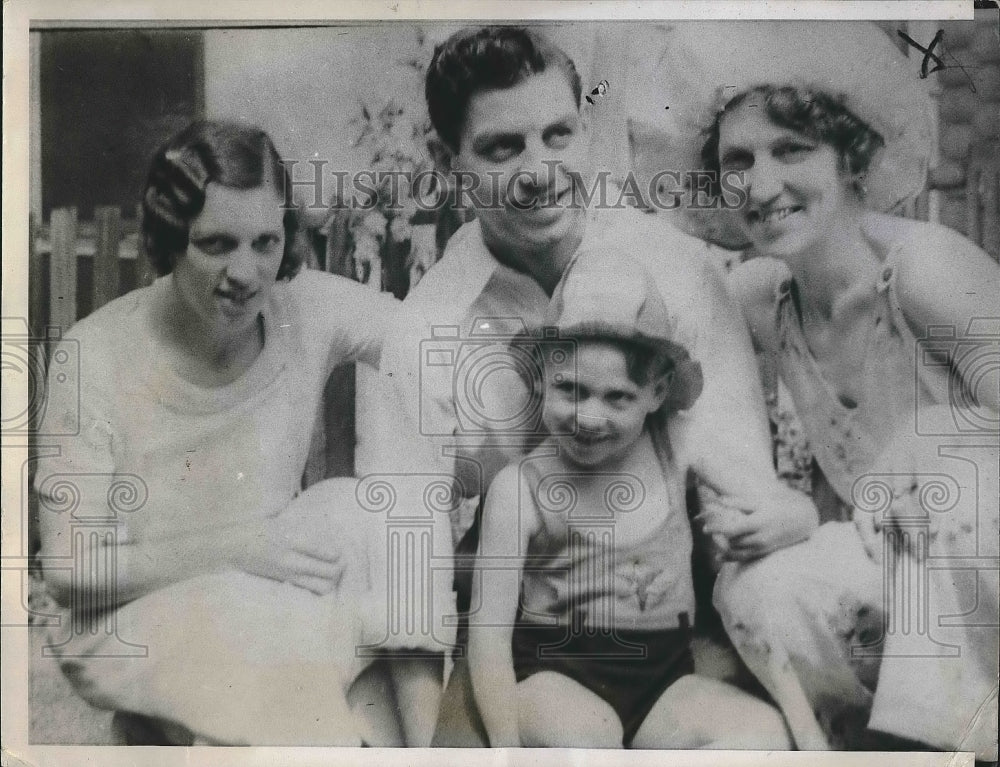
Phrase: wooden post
{"type": "Point", "coordinates": [35, 125]}
{"type": "Point", "coordinates": [145, 273]}
{"type": "Point", "coordinates": [62, 290]}
{"type": "Point", "coordinates": [109, 235]}
{"type": "Point", "coordinates": [36, 283]}
{"type": "Point", "coordinates": [929, 201]}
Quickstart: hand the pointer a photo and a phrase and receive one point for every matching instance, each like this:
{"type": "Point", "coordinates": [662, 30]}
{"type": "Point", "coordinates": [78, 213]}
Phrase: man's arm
{"type": "Point", "coordinates": [724, 437]}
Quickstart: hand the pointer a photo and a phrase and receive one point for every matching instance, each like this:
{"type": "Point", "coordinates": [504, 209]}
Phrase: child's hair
{"type": "Point", "coordinates": [643, 362]}
{"type": "Point", "coordinates": [814, 114]}
{"type": "Point", "coordinates": [486, 58]}
{"type": "Point", "coordinates": [228, 153]}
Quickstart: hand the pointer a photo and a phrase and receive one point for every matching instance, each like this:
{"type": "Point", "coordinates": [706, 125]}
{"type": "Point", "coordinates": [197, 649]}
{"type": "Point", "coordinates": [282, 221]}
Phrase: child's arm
{"type": "Point", "coordinates": [506, 530]}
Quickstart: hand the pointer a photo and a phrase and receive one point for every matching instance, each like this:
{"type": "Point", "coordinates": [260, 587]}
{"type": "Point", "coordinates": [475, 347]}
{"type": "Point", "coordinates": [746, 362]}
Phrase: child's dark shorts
{"type": "Point", "coordinates": [631, 685]}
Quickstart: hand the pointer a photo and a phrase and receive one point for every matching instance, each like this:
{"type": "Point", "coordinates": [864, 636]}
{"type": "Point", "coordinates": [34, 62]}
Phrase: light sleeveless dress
{"type": "Point", "coordinates": [892, 627]}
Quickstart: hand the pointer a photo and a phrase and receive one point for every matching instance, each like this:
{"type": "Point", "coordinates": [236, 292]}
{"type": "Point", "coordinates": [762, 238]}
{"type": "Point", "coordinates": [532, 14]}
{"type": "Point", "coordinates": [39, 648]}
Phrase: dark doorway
{"type": "Point", "coordinates": [109, 99]}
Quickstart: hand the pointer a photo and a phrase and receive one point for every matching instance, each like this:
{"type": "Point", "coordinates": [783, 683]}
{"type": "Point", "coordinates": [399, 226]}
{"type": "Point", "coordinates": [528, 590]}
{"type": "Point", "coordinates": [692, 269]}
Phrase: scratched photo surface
{"type": "Point", "coordinates": [598, 385]}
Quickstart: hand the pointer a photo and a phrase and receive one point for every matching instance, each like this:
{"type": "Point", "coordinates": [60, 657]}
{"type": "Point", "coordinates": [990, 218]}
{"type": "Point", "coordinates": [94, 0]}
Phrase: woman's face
{"type": "Point", "coordinates": [797, 194]}
{"type": "Point", "coordinates": [235, 247]}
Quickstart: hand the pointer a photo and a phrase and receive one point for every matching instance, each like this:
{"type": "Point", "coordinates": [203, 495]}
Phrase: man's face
{"type": "Point", "coordinates": [522, 144]}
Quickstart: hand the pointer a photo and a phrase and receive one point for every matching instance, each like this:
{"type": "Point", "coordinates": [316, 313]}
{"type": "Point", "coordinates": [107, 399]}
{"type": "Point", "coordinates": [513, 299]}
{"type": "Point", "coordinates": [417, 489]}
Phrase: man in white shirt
{"type": "Point", "coordinates": [506, 104]}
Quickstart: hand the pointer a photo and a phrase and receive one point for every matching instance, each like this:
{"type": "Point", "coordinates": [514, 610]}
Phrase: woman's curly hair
{"type": "Point", "coordinates": [816, 115]}
{"type": "Point", "coordinates": [232, 154]}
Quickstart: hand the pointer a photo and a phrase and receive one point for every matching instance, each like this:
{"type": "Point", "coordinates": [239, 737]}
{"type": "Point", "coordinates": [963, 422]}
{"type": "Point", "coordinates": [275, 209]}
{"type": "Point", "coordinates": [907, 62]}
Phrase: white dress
{"type": "Point", "coordinates": [232, 657]}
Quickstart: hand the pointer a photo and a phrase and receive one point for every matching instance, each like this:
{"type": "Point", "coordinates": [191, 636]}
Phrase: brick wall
{"type": "Point", "coordinates": [969, 119]}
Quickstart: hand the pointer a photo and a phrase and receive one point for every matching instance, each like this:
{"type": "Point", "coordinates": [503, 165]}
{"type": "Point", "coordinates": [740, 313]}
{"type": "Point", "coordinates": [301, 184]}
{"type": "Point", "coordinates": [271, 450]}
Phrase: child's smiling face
{"type": "Point", "coordinates": [596, 408]}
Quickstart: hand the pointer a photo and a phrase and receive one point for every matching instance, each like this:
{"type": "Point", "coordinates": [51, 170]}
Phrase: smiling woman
{"type": "Point", "coordinates": [839, 296]}
{"type": "Point", "coordinates": [802, 156]}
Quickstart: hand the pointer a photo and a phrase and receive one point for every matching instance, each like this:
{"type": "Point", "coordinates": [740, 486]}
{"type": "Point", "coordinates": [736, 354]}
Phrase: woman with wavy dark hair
{"type": "Point", "coordinates": [864, 634]}
{"type": "Point", "coordinates": [217, 604]}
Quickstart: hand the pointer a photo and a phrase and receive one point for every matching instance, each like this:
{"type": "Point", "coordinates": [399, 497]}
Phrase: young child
{"type": "Point", "coordinates": [590, 529]}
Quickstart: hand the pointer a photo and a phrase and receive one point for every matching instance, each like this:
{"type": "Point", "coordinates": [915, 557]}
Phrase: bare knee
{"type": "Point", "coordinates": [555, 711]}
{"type": "Point", "coordinates": [698, 712]}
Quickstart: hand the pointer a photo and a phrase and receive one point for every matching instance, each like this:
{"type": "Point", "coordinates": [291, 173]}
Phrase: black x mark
{"type": "Point", "coordinates": [928, 52]}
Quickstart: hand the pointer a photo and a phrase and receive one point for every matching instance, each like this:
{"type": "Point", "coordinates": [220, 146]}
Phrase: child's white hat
{"type": "Point", "coordinates": [606, 295]}
{"type": "Point", "coordinates": [703, 65]}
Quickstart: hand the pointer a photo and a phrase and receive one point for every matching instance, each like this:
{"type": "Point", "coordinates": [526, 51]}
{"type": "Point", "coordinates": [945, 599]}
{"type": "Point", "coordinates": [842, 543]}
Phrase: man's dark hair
{"type": "Point", "coordinates": [486, 58]}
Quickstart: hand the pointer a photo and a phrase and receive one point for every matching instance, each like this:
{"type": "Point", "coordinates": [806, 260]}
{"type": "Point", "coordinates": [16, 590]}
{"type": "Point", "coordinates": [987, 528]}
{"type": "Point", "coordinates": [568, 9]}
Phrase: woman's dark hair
{"type": "Point", "coordinates": [486, 58]}
{"type": "Point", "coordinates": [232, 154]}
{"type": "Point", "coordinates": [817, 115]}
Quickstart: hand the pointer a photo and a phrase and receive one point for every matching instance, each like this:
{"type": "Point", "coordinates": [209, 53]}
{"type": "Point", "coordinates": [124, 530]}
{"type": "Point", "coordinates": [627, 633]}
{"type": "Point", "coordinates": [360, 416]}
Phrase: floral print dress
{"type": "Point", "coordinates": [885, 618]}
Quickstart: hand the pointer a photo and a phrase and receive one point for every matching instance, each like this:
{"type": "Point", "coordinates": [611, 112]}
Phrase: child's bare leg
{"type": "Point", "coordinates": [553, 710]}
{"type": "Point", "coordinates": [700, 712]}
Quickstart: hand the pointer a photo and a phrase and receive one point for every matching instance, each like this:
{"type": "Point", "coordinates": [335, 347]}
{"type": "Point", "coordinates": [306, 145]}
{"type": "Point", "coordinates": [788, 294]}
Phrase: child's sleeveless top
{"type": "Point", "coordinates": [845, 437]}
{"type": "Point", "coordinates": [581, 574]}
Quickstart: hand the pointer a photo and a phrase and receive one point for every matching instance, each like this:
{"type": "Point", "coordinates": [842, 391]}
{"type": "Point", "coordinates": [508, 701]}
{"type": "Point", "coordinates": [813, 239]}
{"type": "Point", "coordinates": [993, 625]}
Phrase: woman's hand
{"type": "Point", "coordinates": [298, 546]}
{"type": "Point", "coordinates": [747, 527]}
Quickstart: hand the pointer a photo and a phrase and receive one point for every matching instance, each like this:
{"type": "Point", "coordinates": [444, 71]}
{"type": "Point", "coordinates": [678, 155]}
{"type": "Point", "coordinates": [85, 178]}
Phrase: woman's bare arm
{"type": "Point", "coordinates": [292, 547]}
{"type": "Point", "coordinates": [945, 280]}
{"type": "Point", "coordinates": [726, 441]}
